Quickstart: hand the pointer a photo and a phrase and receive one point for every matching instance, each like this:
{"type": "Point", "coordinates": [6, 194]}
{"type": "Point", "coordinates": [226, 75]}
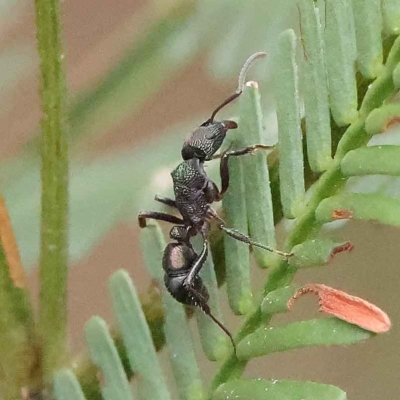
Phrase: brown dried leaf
{"type": "Point", "coordinates": [344, 306]}
{"type": "Point", "coordinates": [10, 247]}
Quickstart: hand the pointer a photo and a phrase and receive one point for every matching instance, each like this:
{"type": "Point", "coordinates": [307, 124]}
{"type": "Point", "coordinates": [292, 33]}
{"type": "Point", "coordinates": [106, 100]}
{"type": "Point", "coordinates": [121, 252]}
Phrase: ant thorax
{"type": "Point", "coordinates": [193, 190]}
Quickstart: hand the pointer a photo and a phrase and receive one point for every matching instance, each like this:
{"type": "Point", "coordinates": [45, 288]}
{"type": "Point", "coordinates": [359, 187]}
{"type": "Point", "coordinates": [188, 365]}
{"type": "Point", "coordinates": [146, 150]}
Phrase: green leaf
{"type": "Point", "coordinates": [315, 332]}
{"type": "Point", "coordinates": [177, 332]}
{"type": "Point", "coordinates": [391, 16]}
{"type": "Point", "coordinates": [315, 89]}
{"type": "Point", "coordinates": [380, 119]}
{"type": "Point", "coordinates": [66, 386]}
{"type": "Point", "coordinates": [368, 24]}
{"type": "Point", "coordinates": [255, 175]}
{"type": "Point", "coordinates": [263, 389]}
{"type": "Point", "coordinates": [383, 87]}
{"type": "Point", "coordinates": [372, 160]}
{"type": "Point", "coordinates": [396, 76]}
{"type": "Point", "coordinates": [371, 206]}
{"type": "Point", "coordinates": [340, 58]}
{"type": "Point", "coordinates": [276, 301]}
{"type": "Point", "coordinates": [237, 254]}
{"type": "Point", "coordinates": [316, 252]}
{"type": "Point", "coordinates": [291, 168]}
{"type": "Point", "coordinates": [137, 338]}
{"type": "Point", "coordinates": [104, 354]}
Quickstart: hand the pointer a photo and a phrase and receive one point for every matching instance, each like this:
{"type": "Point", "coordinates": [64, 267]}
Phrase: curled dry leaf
{"type": "Point", "coordinates": [344, 306]}
{"type": "Point", "coordinates": [345, 247]}
{"type": "Point", "coordinates": [10, 247]}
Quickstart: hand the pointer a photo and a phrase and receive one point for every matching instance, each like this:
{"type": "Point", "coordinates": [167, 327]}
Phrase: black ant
{"type": "Point", "coordinates": [194, 192]}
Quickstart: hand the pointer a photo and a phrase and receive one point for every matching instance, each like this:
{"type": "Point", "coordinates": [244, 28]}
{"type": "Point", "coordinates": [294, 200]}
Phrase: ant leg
{"type": "Point", "coordinates": [206, 309]}
{"type": "Point", "coordinates": [224, 171]}
{"type": "Point", "coordinates": [197, 266]}
{"type": "Point", "coordinates": [165, 200]}
{"type": "Point", "coordinates": [144, 215]}
{"type": "Point", "coordinates": [246, 239]}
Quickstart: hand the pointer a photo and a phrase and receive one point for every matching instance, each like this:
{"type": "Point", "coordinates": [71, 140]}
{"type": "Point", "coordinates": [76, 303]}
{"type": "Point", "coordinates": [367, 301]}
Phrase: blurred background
{"type": "Point", "coordinates": [141, 75]}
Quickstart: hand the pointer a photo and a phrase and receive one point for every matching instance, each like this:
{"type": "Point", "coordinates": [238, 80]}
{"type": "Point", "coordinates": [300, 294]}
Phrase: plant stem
{"type": "Point", "coordinates": [54, 175]}
{"type": "Point", "coordinates": [328, 184]}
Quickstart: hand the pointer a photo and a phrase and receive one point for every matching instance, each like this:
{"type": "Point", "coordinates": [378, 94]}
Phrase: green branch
{"type": "Point", "coordinates": [306, 225]}
{"type": "Point", "coordinates": [54, 228]}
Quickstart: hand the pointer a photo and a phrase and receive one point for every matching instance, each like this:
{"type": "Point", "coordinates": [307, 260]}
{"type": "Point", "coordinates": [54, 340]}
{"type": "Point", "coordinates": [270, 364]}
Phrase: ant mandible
{"type": "Point", "coordinates": [194, 193]}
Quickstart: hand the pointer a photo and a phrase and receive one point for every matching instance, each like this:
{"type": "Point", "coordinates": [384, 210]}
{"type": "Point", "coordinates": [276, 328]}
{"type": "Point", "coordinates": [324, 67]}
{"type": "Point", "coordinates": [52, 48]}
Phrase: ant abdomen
{"type": "Point", "coordinates": [178, 261]}
{"type": "Point", "coordinates": [195, 295]}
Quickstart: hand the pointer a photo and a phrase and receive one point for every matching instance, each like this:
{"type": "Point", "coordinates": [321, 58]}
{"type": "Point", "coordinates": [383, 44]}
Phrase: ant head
{"type": "Point", "coordinates": [206, 140]}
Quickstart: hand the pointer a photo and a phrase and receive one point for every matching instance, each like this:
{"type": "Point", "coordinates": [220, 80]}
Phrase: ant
{"type": "Point", "coordinates": [194, 192]}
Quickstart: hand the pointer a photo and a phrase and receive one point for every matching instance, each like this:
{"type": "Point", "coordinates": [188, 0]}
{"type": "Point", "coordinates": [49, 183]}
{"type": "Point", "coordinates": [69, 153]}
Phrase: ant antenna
{"type": "Point", "coordinates": [208, 312]}
{"type": "Point", "coordinates": [241, 82]}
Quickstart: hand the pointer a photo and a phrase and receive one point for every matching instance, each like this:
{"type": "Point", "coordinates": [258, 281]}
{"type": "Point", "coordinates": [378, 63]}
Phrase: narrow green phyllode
{"type": "Point", "coordinates": [315, 332]}
{"type": "Point", "coordinates": [54, 176]}
{"type": "Point", "coordinates": [276, 301]}
{"type": "Point", "coordinates": [237, 254]}
{"type": "Point", "coordinates": [368, 25]}
{"type": "Point", "coordinates": [391, 16]}
{"type": "Point", "coordinates": [272, 389]}
{"type": "Point", "coordinates": [340, 57]}
{"type": "Point", "coordinates": [255, 174]}
{"type": "Point", "coordinates": [396, 77]}
{"type": "Point", "coordinates": [363, 206]}
{"type": "Point", "coordinates": [291, 165]}
{"type": "Point", "coordinates": [374, 160]}
{"type": "Point", "coordinates": [317, 252]}
{"type": "Point", "coordinates": [315, 88]}
{"type": "Point", "coordinates": [177, 332]}
{"type": "Point", "coordinates": [66, 386]}
{"type": "Point", "coordinates": [136, 335]}
{"type": "Point", "coordinates": [104, 355]}
{"type": "Point", "coordinates": [381, 119]}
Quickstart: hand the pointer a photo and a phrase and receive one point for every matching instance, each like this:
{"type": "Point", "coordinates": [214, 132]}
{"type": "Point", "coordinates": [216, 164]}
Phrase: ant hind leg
{"type": "Point", "coordinates": [159, 216]}
{"type": "Point", "coordinates": [165, 200]}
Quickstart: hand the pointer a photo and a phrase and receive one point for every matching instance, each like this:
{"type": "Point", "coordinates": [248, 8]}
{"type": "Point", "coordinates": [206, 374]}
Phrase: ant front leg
{"type": "Point", "coordinates": [159, 216]}
{"type": "Point", "coordinates": [224, 170]}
